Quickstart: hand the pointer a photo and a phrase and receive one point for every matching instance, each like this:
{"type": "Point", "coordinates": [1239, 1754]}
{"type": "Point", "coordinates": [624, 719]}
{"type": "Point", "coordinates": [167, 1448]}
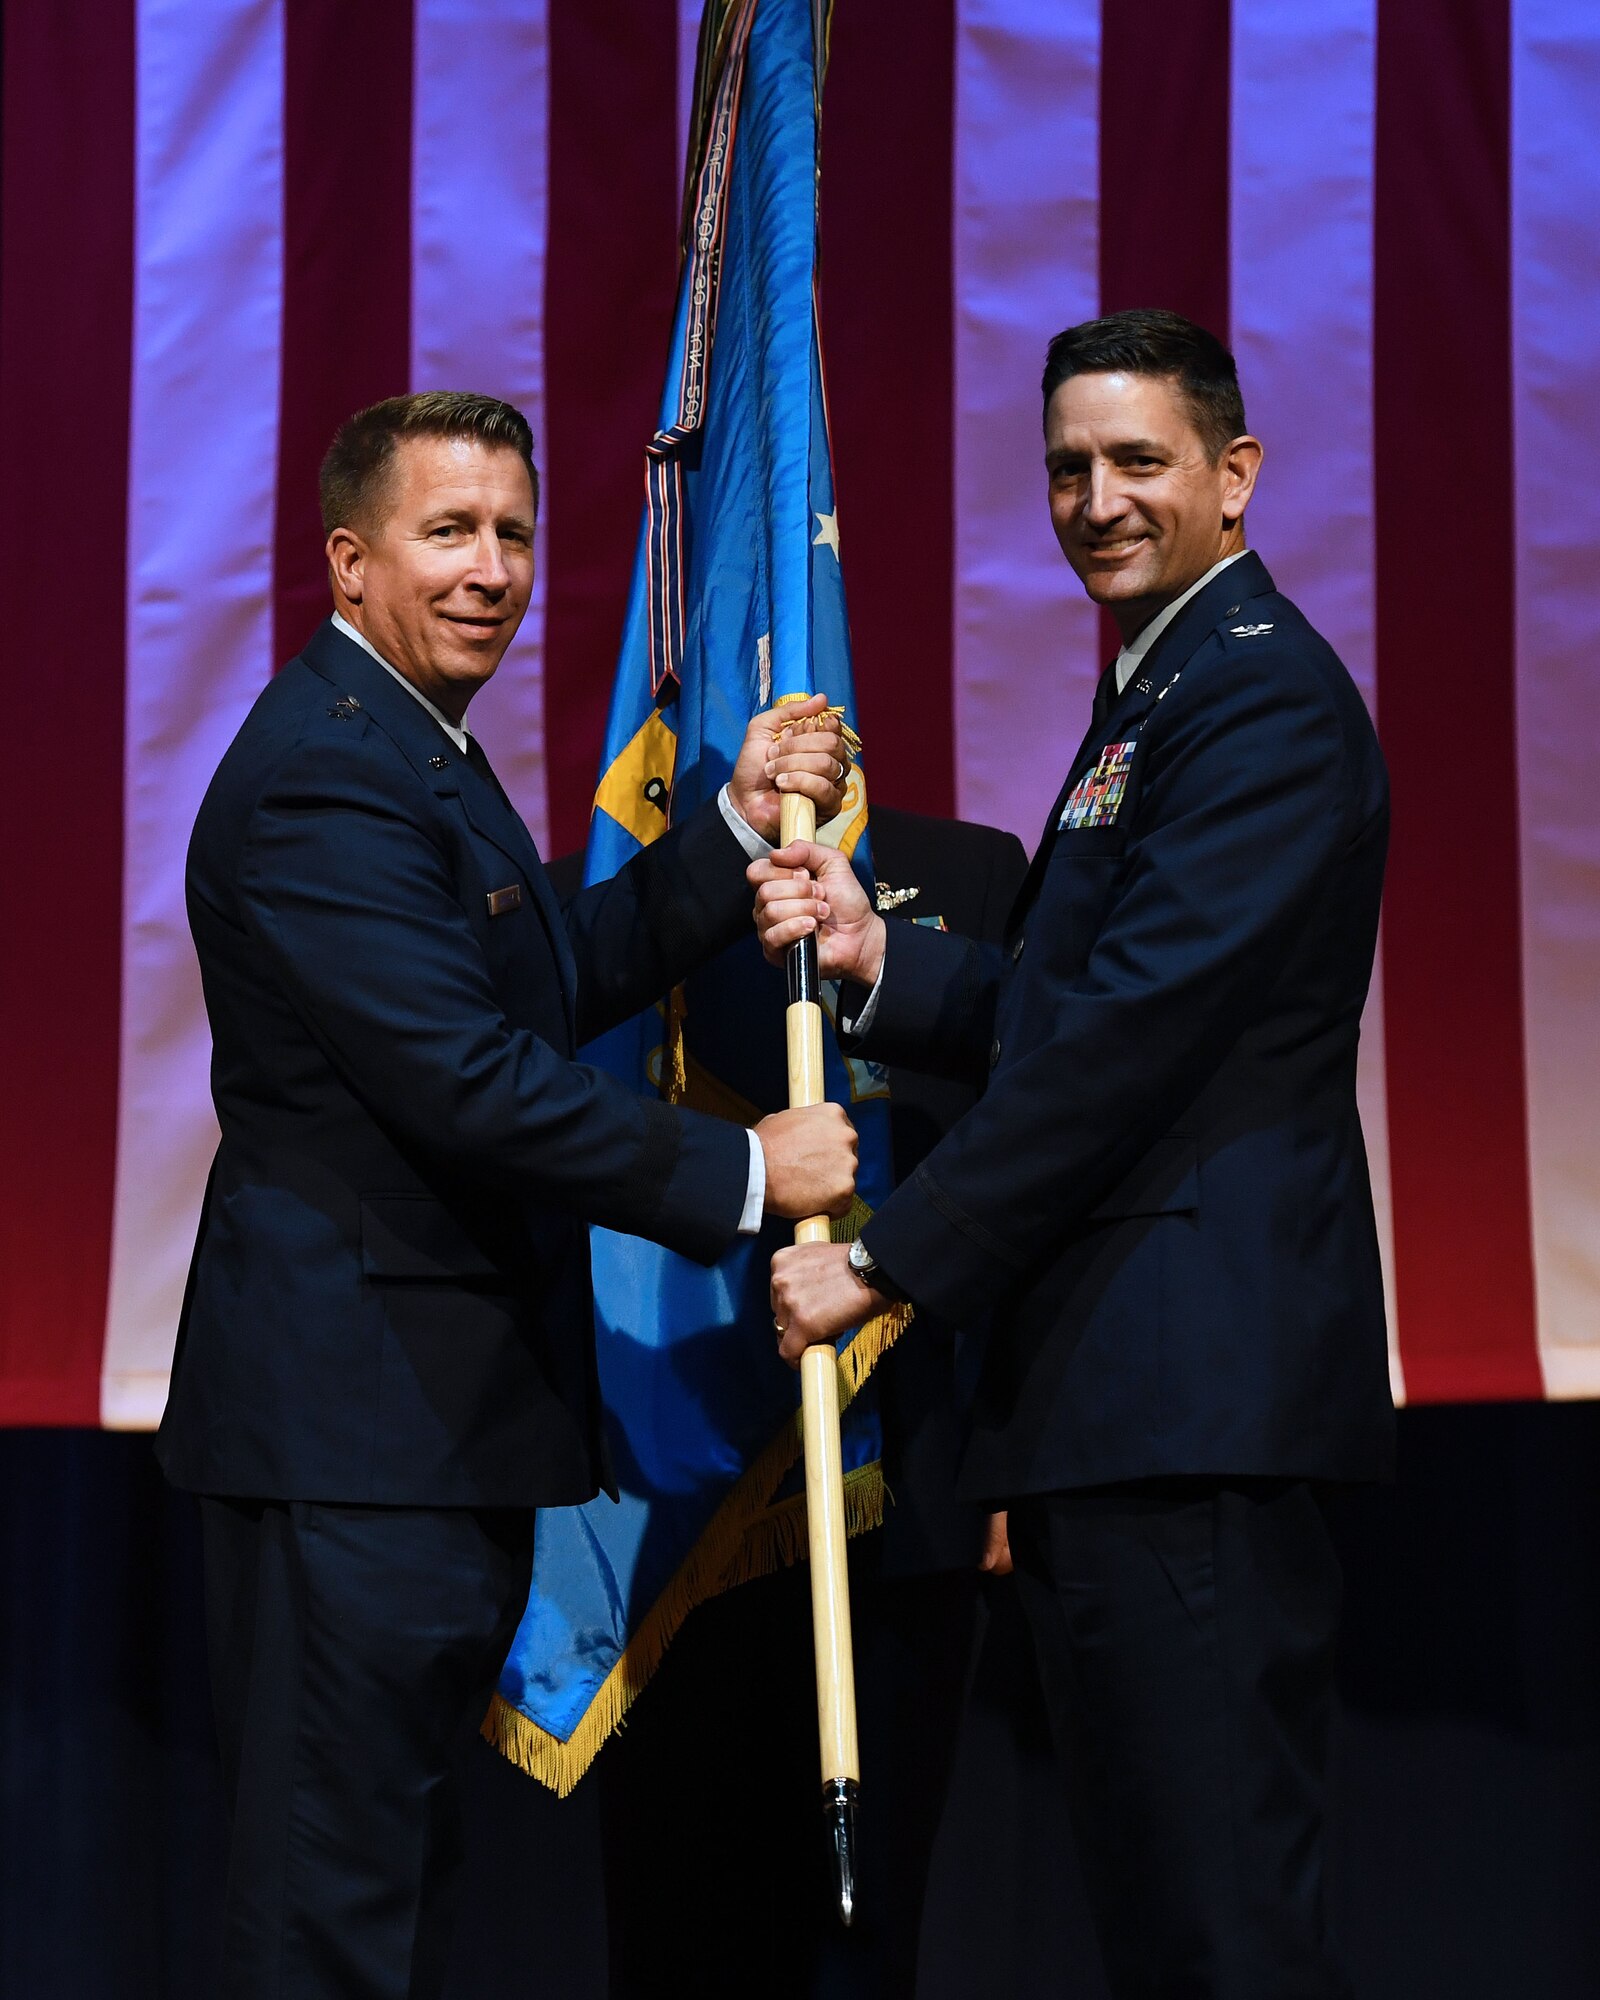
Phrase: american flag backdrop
{"type": "Point", "coordinates": [226, 223]}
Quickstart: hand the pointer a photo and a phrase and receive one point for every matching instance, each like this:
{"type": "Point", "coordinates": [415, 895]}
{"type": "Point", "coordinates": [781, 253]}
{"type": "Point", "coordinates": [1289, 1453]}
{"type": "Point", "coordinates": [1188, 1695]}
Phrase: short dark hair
{"type": "Point", "coordinates": [1148, 341]}
{"type": "Point", "coordinates": [357, 464]}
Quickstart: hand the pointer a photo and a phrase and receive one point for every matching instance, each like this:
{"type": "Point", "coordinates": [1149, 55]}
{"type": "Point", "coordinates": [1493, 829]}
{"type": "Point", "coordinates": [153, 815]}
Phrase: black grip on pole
{"type": "Point", "coordinates": [804, 983]}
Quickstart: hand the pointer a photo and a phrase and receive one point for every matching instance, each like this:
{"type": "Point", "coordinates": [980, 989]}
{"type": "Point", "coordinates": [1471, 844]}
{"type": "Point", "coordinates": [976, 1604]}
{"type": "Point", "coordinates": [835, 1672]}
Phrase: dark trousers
{"type": "Point", "coordinates": [353, 1651]}
{"type": "Point", "coordinates": [1185, 1633]}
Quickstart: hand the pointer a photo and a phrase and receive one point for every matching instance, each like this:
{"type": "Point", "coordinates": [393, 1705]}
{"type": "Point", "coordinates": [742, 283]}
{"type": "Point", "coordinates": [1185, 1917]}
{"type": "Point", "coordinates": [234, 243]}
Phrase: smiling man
{"type": "Point", "coordinates": [386, 1357]}
{"type": "Point", "coordinates": [1157, 1214]}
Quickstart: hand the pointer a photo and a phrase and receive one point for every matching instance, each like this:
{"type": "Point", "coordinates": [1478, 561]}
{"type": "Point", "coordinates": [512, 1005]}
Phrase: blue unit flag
{"type": "Point", "coordinates": [737, 599]}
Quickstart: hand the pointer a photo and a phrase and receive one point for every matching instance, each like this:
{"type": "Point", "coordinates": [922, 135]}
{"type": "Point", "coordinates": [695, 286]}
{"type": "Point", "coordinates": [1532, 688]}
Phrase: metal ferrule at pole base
{"type": "Point", "coordinates": [840, 1797]}
{"type": "Point", "coordinates": [804, 982]}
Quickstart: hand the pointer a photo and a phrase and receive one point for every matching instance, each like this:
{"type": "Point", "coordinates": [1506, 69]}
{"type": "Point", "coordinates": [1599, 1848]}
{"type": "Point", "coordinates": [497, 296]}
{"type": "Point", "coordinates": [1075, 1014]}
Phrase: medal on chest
{"type": "Point", "coordinates": [1096, 799]}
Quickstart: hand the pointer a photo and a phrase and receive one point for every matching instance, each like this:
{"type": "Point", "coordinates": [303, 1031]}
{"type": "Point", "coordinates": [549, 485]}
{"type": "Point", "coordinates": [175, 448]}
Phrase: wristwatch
{"type": "Point", "coordinates": [866, 1268]}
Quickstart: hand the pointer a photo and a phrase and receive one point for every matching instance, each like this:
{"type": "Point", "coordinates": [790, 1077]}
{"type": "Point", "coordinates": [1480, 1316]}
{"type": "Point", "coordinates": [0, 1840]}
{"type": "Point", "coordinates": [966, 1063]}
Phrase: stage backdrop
{"type": "Point", "coordinates": [226, 223]}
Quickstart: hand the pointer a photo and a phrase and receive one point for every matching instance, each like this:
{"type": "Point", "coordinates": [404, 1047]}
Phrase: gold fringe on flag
{"type": "Point", "coordinates": [674, 1056]}
{"type": "Point", "coordinates": [778, 1540]}
{"type": "Point", "coordinates": [747, 1537]}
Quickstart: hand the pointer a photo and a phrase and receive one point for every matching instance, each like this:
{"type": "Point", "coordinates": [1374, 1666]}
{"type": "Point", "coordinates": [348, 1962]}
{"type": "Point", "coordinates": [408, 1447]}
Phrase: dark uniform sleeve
{"type": "Point", "coordinates": [658, 919]}
{"type": "Point", "coordinates": [355, 904]}
{"type": "Point", "coordinates": [936, 1000]}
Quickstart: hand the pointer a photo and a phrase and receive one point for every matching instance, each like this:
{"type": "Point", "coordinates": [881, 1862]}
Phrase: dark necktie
{"type": "Point", "coordinates": [1104, 695]}
{"type": "Point", "coordinates": [485, 770]}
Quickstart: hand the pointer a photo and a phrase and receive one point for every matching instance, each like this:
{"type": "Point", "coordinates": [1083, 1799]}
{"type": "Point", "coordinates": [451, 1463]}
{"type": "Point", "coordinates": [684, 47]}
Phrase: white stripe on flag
{"type": "Point", "coordinates": [1304, 106]}
{"type": "Point", "coordinates": [208, 271]}
{"type": "Point", "coordinates": [479, 215]}
{"type": "Point", "coordinates": [1556, 309]}
{"type": "Point", "coordinates": [1026, 168]}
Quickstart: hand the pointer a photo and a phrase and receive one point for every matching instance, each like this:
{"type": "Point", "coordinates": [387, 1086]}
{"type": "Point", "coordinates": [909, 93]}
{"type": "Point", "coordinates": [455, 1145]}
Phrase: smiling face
{"type": "Point", "coordinates": [1138, 508]}
{"type": "Point", "coordinates": [439, 580]}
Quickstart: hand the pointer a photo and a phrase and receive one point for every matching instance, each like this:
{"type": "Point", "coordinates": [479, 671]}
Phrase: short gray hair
{"type": "Point", "coordinates": [358, 461]}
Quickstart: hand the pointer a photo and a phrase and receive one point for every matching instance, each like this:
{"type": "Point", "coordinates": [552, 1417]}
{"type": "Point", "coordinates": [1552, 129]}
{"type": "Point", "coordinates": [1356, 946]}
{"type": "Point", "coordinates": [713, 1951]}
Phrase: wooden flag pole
{"type": "Point", "coordinates": [819, 1401]}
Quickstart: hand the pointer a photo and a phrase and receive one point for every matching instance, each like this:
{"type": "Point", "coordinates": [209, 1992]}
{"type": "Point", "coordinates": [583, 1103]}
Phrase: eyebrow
{"type": "Point", "coordinates": [1132, 447]}
{"type": "Point", "coordinates": [465, 517]}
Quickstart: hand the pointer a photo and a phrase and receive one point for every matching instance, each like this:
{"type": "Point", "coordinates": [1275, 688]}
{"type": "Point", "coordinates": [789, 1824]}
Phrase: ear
{"type": "Point", "coordinates": [1240, 464]}
{"type": "Point", "coordinates": [346, 552]}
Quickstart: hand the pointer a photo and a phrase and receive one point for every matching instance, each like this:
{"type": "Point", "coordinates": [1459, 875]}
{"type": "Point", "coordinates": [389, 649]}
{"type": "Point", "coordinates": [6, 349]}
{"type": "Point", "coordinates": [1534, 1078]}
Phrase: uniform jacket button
{"type": "Point", "coordinates": [1016, 949]}
{"type": "Point", "coordinates": [994, 1052]}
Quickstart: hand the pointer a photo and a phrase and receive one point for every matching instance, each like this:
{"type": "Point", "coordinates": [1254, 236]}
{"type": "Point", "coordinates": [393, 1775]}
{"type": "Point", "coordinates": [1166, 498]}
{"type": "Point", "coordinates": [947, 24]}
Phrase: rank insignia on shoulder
{"type": "Point", "coordinates": [1096, 799]}
{"type": "Point", "coordinates": [891, 899]}
{"type": "Point", "coordinates": [1249, 631]}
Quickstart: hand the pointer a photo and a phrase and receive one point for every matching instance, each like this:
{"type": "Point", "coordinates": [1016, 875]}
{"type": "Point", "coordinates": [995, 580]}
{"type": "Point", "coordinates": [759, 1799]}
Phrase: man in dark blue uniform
{"type": "Point", "coordinates": [386, 1359]}
{"type": "Point", "coordinates": [1159, 1208]}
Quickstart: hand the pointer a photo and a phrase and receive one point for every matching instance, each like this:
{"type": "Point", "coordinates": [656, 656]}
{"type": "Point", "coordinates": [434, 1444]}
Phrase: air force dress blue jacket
{"type": "Point", "coordinates": [389, 1300]}
{"type": "Point", "coordinates": [1159, 1212]}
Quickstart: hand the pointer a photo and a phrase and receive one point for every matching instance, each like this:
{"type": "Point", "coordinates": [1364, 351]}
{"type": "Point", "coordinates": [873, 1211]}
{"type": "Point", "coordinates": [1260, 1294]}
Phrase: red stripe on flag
{"type": "Point", "coordinates": [66, 298]}
{"type": "Point", "coordinates": [610, 280]}
{"type": "Point", "coordinates": [346, 265]}
{"type": "Point", "coordinates": [887, 308]}
{"type": "Point", "coordinates": [1446, 701]}
{"type": "Point", "coordinates": [1165, 79]}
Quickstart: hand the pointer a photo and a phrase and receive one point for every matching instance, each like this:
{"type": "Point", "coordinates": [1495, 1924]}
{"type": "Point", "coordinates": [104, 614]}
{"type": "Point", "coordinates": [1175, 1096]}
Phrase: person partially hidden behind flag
{"type": "Point", "coordinates": [385, 1361]}
{"type": "Point", "coordinates": [1159, 1208]}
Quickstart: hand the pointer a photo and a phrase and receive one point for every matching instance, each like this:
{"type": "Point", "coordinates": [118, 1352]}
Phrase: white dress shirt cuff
{"type": "Point", "coordinates": [741, 829]}
{"type": "Point", "coordinates": [755, 1194]}
{"type": "Point", "coordinates": [863, 1020]}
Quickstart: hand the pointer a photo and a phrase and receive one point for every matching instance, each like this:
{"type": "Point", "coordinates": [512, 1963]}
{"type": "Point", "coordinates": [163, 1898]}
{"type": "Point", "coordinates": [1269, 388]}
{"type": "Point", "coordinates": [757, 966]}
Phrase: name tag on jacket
{"type": "Point", "coordinates": [1096, 798]}
{"type": "Point", "coordinates": [501, 900]}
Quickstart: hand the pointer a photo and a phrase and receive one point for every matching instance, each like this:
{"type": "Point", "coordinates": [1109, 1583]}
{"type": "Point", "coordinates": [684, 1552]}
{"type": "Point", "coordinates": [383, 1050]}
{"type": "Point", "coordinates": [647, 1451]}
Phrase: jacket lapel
{"type": "Point", "coordinates": [1171, 653]}
{"type": "Point", "coordinates": [1116, 713]}
{"type": "Point", "coordinates": [351, 671]}
{"type": "Point", "coordinates": [493, 816]}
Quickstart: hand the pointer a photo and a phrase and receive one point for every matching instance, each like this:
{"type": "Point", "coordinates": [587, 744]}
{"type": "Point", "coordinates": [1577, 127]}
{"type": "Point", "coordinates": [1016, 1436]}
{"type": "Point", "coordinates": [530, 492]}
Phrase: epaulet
{"type": "Point", "coordinates": [333, 717]}
{"type": "Point", "coordinates": [333, 722]}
